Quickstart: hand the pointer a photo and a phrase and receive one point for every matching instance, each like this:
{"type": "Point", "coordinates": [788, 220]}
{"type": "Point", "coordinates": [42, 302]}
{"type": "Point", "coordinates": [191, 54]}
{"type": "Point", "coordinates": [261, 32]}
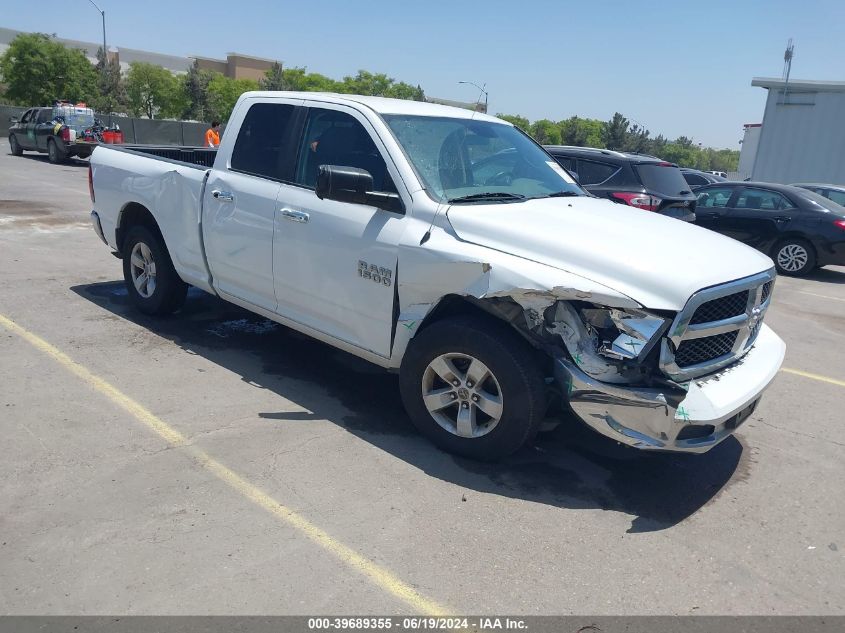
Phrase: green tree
{"type": "Point", "coordinates": [195, 89]}
{"type": "Point", "coordinates": [402, 90]}
{"type": "Point", "coordinates": [274, 79]}
{"type": "Point", "coordinates": [111, 91]}
{"type": "Point", "coordinates": [154, 92]}
{"type": "Point", "coordinates": [37, 70]}
{"type": "Point", "coordinates": [637, 140]}
{"type": "Point", "coordinates": [223, 93]}
{"type": "Point", "coordinates": [545, 132]}
{"type": "Point", "coordinates": [519, 121]}
{"type": "Point", "coordinates": [616, 132]}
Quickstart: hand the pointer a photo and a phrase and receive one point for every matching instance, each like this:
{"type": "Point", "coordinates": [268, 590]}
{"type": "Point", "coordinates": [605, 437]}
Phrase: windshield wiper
{"type": "Point", "coordinates": [488, 195]}
{"type": "Point", "coordinates": [562, 194]}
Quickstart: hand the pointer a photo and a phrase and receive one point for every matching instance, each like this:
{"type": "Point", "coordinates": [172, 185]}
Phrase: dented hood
{"type": "Point", "coordinates": [657, 261]}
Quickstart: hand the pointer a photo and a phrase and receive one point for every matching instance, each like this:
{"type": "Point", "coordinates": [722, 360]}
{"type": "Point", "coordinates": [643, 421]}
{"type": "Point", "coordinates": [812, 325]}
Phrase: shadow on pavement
{"type": "Point", "coordinates": [827, 275]}
{"type": "Point", "coordinates": [571, 467]}
{"type": "Point", "coordinates": [42, 158]}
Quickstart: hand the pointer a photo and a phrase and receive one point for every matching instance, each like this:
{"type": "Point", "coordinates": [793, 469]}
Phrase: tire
{"type": "Point", "coordinates": [15, 147]}
{"type": "Point", "coordinates": [55, 153]}
{"type": "Point", "coordinates": [144, 252]}
{"type": "Point", "coordinates": [513, 391]}
{"type": "Point", "coordinates": [794, 257]}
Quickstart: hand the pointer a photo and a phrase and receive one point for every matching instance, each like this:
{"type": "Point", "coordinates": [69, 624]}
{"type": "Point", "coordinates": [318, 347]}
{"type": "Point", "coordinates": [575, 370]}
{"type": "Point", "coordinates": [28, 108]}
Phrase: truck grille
{"type": "Point", "coordinates": [721, 308]}
{"type": "Point", "coordinates": [700, 350]}
{"type": "Point", "coordinates": [717, 326]}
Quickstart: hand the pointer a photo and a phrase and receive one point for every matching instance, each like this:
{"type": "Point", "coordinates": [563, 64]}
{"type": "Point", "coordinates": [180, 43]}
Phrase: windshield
{"type": "Point", "coordinates": [663, 178]}
{"type": "Point", "coordinates": [823, 202]}
{"type": "Point", "coordinates": [466, 160]}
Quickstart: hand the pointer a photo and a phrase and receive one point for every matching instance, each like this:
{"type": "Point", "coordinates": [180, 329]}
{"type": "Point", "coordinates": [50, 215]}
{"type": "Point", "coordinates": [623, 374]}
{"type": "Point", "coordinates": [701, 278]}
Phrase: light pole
{"type": "Point", "coordinates": [481, 88]}
{"type": "Point", "coordinates": [105, 50]}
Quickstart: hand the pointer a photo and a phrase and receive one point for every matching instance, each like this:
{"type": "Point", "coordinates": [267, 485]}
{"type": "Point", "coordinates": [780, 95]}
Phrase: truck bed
{"type": "Point", "coordinates": [200, 157]}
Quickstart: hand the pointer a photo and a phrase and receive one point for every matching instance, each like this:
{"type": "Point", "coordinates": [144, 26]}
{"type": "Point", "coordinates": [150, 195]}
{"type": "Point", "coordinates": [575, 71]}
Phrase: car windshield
{"type": "Point", "coordinates": [821, 201]}
{"type": "Point", "coordinates": [663, 178]}
{"type": "Point", "coordinates": [468, 161]}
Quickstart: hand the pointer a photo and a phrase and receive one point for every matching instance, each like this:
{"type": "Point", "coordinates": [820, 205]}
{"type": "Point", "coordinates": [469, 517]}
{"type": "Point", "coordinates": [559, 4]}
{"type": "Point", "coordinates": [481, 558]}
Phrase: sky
{"type": "Point", "coordinates": [676, 67]}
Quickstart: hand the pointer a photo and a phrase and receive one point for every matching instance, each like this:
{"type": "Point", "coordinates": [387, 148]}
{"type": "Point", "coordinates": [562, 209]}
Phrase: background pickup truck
{"type": "Point", "coordinates": [501, 292]}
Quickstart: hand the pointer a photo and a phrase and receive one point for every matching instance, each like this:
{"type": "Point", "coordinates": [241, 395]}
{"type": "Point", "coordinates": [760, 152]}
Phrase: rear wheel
{"type": "Point", "coordinates": [473, 387]}
{"type": "Point", "coordinates": [153, 284]}
{"type": "Point", "coordinates": [54, 152]}
{"type": "Point", "coordinates": [14, 146]}
{"type": "Point", "coordinates": [794, 257]}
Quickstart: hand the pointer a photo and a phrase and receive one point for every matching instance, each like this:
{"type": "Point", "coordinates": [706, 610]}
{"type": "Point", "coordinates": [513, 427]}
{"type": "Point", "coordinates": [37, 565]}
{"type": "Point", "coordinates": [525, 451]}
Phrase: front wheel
{"type": "Point", "coordinates": [15, 147]}
{"type": "Point", "coordinates": [473, 387]}
{"type": "Point", "coordinates": [794, 257]}
{"type": "Point", "coordinates": [153, 284]}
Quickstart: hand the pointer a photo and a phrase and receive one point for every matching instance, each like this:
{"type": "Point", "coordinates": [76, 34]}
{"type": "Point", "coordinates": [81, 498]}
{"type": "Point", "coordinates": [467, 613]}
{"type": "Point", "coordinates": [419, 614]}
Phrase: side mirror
{"type": "Point", "coordinates": [13, 119]}
{"type": "Point", "coordinates": [354, 185]}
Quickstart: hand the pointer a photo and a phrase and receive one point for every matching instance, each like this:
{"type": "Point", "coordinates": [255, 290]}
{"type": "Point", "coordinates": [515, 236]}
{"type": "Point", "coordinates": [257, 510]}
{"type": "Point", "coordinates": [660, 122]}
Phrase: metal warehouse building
{"type": "Point", "coordinates": [802, 138]}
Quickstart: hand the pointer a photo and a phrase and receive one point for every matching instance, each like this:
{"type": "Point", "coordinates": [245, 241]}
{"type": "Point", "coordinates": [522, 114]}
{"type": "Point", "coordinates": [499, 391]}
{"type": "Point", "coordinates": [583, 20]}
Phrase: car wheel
{"type": "Point", "coordinates": [54, 154]}
{"type": "Point", "coordinates": [473, 387]}
{"type": "Point", "coordinates": [794, 257]}
{"type": "Point", "coordinates": [153, 284]}
{"type": "Point", "coordinates": [14, 146]}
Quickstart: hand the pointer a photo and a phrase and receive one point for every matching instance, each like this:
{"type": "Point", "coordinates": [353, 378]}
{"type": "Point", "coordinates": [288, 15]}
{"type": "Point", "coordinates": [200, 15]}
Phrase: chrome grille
{"type": "Point", "coordinates": [721, 308]}
{"type": "Point", "coordinates": [700, 350]}
{"type": "Point", "coordinates": [717, 326]}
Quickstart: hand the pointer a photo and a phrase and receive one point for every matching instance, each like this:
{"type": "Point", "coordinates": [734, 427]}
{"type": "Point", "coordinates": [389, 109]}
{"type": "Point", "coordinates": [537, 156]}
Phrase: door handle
{"type": "Point", "coordinates": [782, 218]}
{"type": "Point", "coordinates": [223, 196]}
{"type": "Point", "coordinates": [294, 216]}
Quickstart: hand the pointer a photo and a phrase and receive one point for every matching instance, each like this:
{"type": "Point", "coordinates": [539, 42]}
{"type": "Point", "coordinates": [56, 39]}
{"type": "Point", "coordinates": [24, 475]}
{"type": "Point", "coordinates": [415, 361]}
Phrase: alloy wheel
{"type": "Point", "coordinates": [462, 395]}
{"type": "Point", "coordinates": [143, 269]}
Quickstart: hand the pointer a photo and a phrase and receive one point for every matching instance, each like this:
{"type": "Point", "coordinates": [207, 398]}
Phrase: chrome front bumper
{"type": "Point", "coordinates": [691, 420]}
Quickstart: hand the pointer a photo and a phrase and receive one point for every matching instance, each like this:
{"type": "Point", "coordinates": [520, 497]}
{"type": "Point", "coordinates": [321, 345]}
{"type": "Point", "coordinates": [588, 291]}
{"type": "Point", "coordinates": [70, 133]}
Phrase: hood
{"type": "Point", "coordinates": [657, 261]}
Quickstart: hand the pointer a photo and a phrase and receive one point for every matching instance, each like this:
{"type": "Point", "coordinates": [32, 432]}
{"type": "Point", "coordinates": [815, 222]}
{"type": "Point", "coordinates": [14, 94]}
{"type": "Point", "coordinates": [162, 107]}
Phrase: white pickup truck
{"type": "Point", "coordinates": [448, 246]}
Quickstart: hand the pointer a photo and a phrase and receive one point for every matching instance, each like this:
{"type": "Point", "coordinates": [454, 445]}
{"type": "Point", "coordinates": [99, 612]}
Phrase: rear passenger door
{"type": "Point", "coordinates": [239, 205]}
{"type": "Point", "coordinates": [757, 216]}
{"type": "Point", "coordinates": [335, 262]}
{"type": "Point", "coordinates": [712, 208]}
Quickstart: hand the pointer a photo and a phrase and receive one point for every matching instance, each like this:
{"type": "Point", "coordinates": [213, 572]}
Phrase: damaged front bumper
{"type": "Point", "coordinates": [692, 419]}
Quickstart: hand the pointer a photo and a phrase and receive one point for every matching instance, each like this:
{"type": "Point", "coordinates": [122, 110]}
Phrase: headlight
{"type": "Point", "coordinates": [624, 334]}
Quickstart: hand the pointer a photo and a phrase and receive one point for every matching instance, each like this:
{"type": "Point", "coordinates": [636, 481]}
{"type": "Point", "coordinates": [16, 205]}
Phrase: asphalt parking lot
{"type": "Point", "coordinates": [217, 463]}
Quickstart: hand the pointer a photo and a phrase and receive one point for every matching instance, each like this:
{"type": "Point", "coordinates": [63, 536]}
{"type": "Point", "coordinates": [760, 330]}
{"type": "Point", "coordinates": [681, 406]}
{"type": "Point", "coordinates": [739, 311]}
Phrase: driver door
{"type": "Point", "coordinates": [335, 262]}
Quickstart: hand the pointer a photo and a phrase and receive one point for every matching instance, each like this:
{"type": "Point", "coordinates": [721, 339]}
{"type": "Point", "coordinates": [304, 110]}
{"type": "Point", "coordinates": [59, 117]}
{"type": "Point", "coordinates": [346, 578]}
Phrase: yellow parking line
{"type": "Point", "coordinates": [806, 374]}
{"type": "Point", "coordinates": [815, 294]}
{"type": "Point", "coordinates": [378, 575]}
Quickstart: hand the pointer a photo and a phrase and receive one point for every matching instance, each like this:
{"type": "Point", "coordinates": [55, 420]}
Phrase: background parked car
{"type": "Point", "coordinates": [57, 131]}
{"type": "Point", "coordinates": [797, 228]}
{"type": "Point", "coordinates": [696, 178]}
{"type": "Point", "coordinates": [641, 181]}
{"type": "Point", "coordinates": [832, 192]}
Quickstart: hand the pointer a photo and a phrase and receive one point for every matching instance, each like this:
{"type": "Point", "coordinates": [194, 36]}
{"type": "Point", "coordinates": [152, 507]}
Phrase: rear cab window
{"type": "Point", "coordinates": [663, 178]}
{"type": "Point", "coordinates": [264, 147]}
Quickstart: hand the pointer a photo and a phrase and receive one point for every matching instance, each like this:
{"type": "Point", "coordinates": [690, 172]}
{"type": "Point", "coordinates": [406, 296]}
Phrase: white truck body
{"type": "Point", "coordinates": [367, 279]}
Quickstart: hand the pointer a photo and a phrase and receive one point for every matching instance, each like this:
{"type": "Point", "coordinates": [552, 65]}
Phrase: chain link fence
{"type": "Point", "coordinates": [140, 131]}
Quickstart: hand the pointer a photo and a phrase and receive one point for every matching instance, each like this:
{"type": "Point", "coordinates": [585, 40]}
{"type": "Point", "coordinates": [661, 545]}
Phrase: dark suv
{"type": "Point", "coordinates": [641, 181]}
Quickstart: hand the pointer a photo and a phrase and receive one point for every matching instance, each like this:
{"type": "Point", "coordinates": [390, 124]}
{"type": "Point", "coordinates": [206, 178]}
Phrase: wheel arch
{"type": "Point", "coordinates": [792, 236]}
{"type": "Point", "coordinates": [135, 214]}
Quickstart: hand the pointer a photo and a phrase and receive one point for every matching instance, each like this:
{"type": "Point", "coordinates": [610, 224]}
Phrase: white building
{"type": "Point", "coordinates": [802, 138]}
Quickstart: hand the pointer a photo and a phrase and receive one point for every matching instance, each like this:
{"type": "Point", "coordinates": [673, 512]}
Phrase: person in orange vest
{"type": "Point", "coordinates": [212, 135]}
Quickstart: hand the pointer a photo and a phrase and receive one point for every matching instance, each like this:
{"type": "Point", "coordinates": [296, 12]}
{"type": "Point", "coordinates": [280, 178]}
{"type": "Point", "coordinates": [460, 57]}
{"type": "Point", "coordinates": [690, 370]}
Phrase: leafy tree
{"type": "Point", "coordinates": [153, 92]}
{"type": "Point", "coordinates": [545, 132]}
{"type": "Point", "coordinates": [519, 121]}
{"type": "Point", "coordinates": [111, 91]}
{"type": "Point", "coordinates": [195, 88]}
{"type": "Point", "coordinates": [405, 91]}
{"type": "Point", "coordinates": [223, 93]}
{"type": "Point", "coordinates": [38, 70]}
{"type": "Point", "coordinates": [274, 79]}
{"type": "Point", "coordinates": [616, 132]}
{"type": "Point", "coordinates": [637, 140]}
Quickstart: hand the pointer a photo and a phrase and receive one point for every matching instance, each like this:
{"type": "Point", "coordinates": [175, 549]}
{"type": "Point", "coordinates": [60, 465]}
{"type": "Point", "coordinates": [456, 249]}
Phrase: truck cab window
{"type": "Point", "coordinates": [336, 138]}
{"type": "Point", "coordinates": [260, 147]}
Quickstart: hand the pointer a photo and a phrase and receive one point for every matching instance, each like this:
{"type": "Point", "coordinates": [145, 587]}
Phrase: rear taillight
{"type": "Point", "coordinates": [840, 223]}
{"type": "Point", "coordinates": [91, 183]}
{"type": "Point", "coordinates": [639, 200]}
{"type": "Point", "coordinates": [65, 134]}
